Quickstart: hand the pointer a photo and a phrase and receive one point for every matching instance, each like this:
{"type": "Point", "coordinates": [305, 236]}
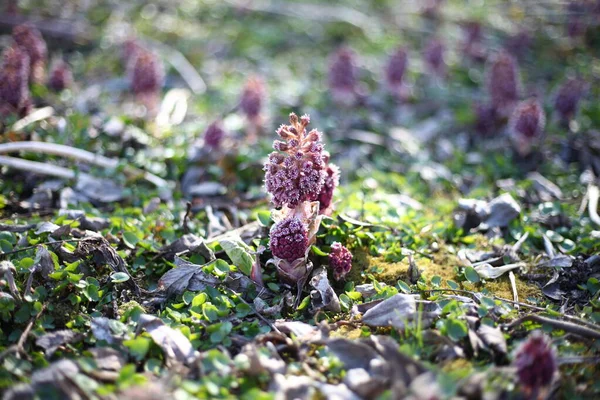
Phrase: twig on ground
{"type": "Point", "coordinates": [186, 217]}
{"type": "Point", "coordinates": [37, 115]}
{"type": "Point", "coordinates": [259, 315]}
{"type": "Point", "coordinates": [16, 228]}
{"type": "Point", "coordinates": [565, 326]}
{"type": "Point", "coordinates": [18, 348]}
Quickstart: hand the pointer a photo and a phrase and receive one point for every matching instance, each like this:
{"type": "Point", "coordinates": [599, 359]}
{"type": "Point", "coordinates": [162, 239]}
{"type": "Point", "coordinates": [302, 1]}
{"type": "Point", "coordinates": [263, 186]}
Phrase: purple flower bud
{"type": "Point", "coordinates": [292, 175]}
{"type": "Point", "coordinates": [14, 74]}
{"type": "Point", "coordinates": [340, 260]}
{"type": "Point", "coordinates": [146, 73]}
{"type": "Point", "coordinates": [434, 57]}
{"type": "Point", "coordinates": [342, 76]}
{"type": "Point", "coordinates": [396, 68]}
{"type": "Point", "coordinates": [526, 124]}
{"type": "Point", "coordinates": [61, 77]}
{"type": "Point", "coordinates": [214, 135]}
{"type": "Point", "coordinates": [253, 98]}
{"type": "Point", "coordinates": [289, 239]}
{"type": "Point", "coordinates": [535, 361]}
{"type": "Point", "coordinates": [332, 180]}
{"type": "Point", "coordinates": [518, 43]}
{"type": "Point", "coordinates": [567, 98]}
{"type": "Point", "coordinates": [502, 77]}
{"type": "Point", "coordinates": [30, 39]}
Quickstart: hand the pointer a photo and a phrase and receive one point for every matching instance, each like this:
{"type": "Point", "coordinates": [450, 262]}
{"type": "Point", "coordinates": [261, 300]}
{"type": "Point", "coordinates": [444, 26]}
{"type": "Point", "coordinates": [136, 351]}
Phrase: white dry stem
{"type": "Point", "coordinates": [68, 152]}
{"type": "Point", "coordinates": [593, 195]}
{"type": "Point", "coordinates": [513, 284]}
{"type": "Point", "coordinates": [37, 115]}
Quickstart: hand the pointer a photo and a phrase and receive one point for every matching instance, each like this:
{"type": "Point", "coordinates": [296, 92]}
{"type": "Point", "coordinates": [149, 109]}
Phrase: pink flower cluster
{"type": "Point", "coordinates": [30, 40]}
{"type": "Point", "coordinates": [289, 239]}
{"type": "Point", "coordinates": [536, 362]}
{"type": "Point", "coordinates": [14, 89]}
{"type": "Point", "coordinates": [340, 260]}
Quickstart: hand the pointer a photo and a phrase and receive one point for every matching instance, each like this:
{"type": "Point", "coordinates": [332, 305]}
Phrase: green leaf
{"type": "Point", "coordinates": [237, 251]}
{"type": "Point", "coordinates": [130, 239]}
{"type": "Point", "coordinates": [264, 217]}
{"type": "Point", "coordinates": [456, 329]}
{"type": "Point", "coordinates": [452, 284]}
{"type": "Point", "coordinates": [138, 347]}
{"type": "Point", "coordinates": [119, 277]}
{"type": "Point", "coordinates": [318, 251]}
{"type": "Point", "coordinates": [471, 275]}
{"type": "Point", "coordinates": [210, 312]}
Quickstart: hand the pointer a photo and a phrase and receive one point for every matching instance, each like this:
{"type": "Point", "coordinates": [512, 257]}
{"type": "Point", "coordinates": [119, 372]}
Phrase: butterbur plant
{"type": "Point", "coordinates": [31, 41]}
{"type": "Point", "coordinates": [535, 360]}
{"type": "Point", "coordinates": [146, 76]}
{"type": "Point", "coordinates": [252, 103]}
{"type": "Point", "coordinates": [61, 77]}
{"type": "Point", "coordinates": [434, 57]}
{"type": "Point", "coordinates": [395, 71]}
{"type": "Point", "coordinates": [342, 77]}
{"type": "Point", "coordinates": [14, 91]}
{"type": "Point", "coordinates": [526, 125]}
{"type": "Point", "coordinates": [300, 181]}
{"type": "Point", "coordinates": [340, 260]}
{"type": "Point", "coordinates": [502, 79]}
{"type": "Point", "coordinates": [214, 135]}
{"type": "Point", "coordinates": [566, 100]}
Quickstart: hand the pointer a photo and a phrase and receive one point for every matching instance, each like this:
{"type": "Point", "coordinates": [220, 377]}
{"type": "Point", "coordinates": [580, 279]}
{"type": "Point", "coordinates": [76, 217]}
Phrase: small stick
{"type": "Point", "coordinates": [259, 315]}
{"type": "Point", "coordinates": [565, 326]}
{"type": "Point", "coordinates": [513, 285]}
{"type": "Point", "coordinates": [594, 195]}
{"type": "Point", "coordinates": [188, 211]}
{"type": "Point", "coordinates": [18, 348]}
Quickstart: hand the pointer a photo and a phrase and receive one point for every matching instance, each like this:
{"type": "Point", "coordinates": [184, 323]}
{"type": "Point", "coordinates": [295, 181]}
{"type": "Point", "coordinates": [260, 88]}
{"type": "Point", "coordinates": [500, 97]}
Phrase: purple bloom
{"type": "Point", "coordinates": [61, 77]}
{"type": "Point", "coordinates": [472, 43]}
{"type": "Point", "coordinates": [289, 239]}
{"type": "Point", "coordinates": [434, 57]}
{"type": "Point", "coordinates": [146, 73]}
{"type": "Point", "coordinates": [14, 74]}
{"type": "Point", "coordinates": [340, 260]}
{"type": "Point", "coordinates": [518, 43]}
{"type": "Point", "coordinates": [342, 76]}
{"type": "Point", "coordinates": [30, 39]}
{"type": "Point", "coordinates": [295, 172]}
{"type": "Point", "coordinates": [253, 98]}
{"type": "Point", "coordinates": [526, 124]}
{"type": "Point", "coordinates": [396, 68]}
{"type": "Point", "coordinates": [502, 77]}
{"type": "Point", "coordinates": [567, 98]}
{"type": "Point", "coordinates": [536, 363]}
{"type": "Point", "coordinates": [213, 137]}
{"type": "Point", "coordinates": [332, 180]}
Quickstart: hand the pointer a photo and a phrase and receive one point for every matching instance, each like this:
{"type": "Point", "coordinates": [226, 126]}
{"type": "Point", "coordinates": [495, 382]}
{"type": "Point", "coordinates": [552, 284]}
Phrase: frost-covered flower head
{"type": "Point", "coordinates": [14, 75]}
{"type": "Point", "coordinates": [295, 171]}
{"type": "Point", "coordinates": [502, 78]}
{"type": "Point", "coordinates": [396, 68]}
{"type": "Point", "coordinates": [434, 56]}
{"type": "Point", "coordinates": [342, 76]}
{"type": "Point", "coordinates": [30, 39]}
{"type": "Point", "coordinates": [214, 135]}
{"type": "Point", "coordinates": [289, 239]}
{"type": "Point", "coordinates": [535, 360]}
{"type": "Point", "coordinates": [526, 124]}
{"type": "Point", "coordinates": [567, 98]}
{"type": "Point", "coordinates": [253, 97]}
{"type": "Point", "coordinates": [61, 77]}
{"type": "Point", "coordinates": [340, 260]}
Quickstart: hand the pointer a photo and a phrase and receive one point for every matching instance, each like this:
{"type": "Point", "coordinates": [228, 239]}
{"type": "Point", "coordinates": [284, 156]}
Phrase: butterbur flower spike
{"type": "Point", "coordinates": [214, 135]}
{"type": "Point", "coordinates": [146, 76]}
{"type": "Point", "coordinates": [502, 76]}
{"type": "Point", "coordinates": [396, 69]}
{"type": "Point", "coordinates": [342, 77]}
{"type": "Point", "coordinates": [30, 39]}
{"type": "Point", "coordinates": [526, 125]}
{"type": "Point", "coordinates": [14, 90]}
{"type": "Point", "coordinates": [567, 98]}
{"type": "Point", "coordinates": [340, 260]}
{"type": "Point", "coordinates": [535, 360]}
{"type": "Point", "coordinates": [434, 57]}
{"type": "Point", "coordinates": [295, 171]}
{"type": "Point", "coordinates": [289, 239]}
{"type": "Point", "coordinates": [252, 99]}
{"type": "Point", "coordinates": [61, 77]}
